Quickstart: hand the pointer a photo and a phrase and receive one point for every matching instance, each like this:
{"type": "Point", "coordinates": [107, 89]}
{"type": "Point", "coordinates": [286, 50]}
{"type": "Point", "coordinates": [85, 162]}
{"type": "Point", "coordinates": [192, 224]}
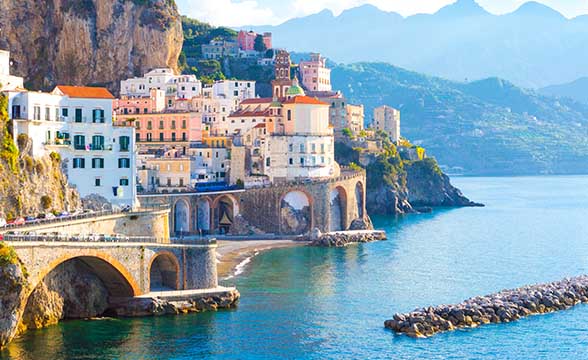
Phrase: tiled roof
{"type": "Point", "coordinates": [84, 92]}
{"type": "Point", "coordinates": [258, 126]}
{"type": "Point", "coordinates": [245, 113]}
{"type": "Point", "coordinates": [304, 100]}
{"type": "Point", "coordinates": [257, 101]}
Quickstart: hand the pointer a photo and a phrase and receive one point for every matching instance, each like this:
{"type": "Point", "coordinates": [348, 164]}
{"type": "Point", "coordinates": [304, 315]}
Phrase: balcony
{"type": "Point", "coordinates": [91, 147]}
{"type": "Point", "coordinates": [160, 140]}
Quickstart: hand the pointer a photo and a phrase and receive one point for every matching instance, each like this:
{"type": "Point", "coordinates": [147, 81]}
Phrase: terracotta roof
{"type": "Point", "coordinates": [84, 92]}
{"type": "Point", "coordinates": [245, 113]}
{"type": "Point", "coordinates": [304, 100]}
{"type": "Point", "coordinates": [258, 126]}
{"type": "Point", "coordinates": [257, 101]}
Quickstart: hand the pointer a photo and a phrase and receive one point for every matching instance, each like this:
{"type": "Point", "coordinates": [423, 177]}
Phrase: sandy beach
{"type": "Point", "coordinates": [232, 254]}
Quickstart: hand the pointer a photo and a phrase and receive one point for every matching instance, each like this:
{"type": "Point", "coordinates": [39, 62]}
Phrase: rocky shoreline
{"type": "Point", "coordinates": [157, 306]}
{"type": "Point", "coordinates": [502, 307]}
{"type": "Point", "coordinates": [345, 238]}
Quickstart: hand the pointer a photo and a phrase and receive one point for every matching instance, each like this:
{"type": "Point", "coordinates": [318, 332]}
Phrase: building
{"type": "Point", "coordinates": [302, 145]}
{"type": "Point", "coordinates": [7, 81]}
{"type": "Point", "coordinates": [153, 103]}
{"type": "Point", "coordinates": [179, 86]}
{"type": "Point", "coordinates": [387, 119]}
{"type": "Point", "coordinates": [282, 79]}
{"type": "Point", "coordinates": [218, 49]}
{"type": "Point", "coordinates": [246, 40]}
{"type": "Point", "coordinates": [315, 74]}
{"type": "Point", "coordinates": [168, 173]}
{"type": "Point", "coordinates": [354, 118]}
{"type": "Point", "coordinates": [77, 122]}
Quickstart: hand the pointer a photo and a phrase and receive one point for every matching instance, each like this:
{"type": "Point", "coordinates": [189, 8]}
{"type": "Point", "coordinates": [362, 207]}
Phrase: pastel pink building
{"type": "Point", "coordinates": [246, 40]}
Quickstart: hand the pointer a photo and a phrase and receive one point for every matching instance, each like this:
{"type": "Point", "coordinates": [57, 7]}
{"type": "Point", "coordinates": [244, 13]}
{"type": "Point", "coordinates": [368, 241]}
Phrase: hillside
{"type": "Point", "coordinates": [83, 42]}
{"type": "Point", "coordinates": [487, 127]}
{"type": "Point", "coordinates": [577, 90]}
{"type": "Point", "coordinates": [534, 46]}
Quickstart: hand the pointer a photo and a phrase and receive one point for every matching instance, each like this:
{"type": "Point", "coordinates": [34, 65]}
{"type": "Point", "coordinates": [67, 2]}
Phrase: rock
{"type": "Point", "coordinates": [13, 292]}
{"type": "Point", "coordinates": [364, 223]}
{"type": "Point", "coordinates": [345, 238]}
{"type": "Point", "coordinates": [315, 234]}
{"type": "Point", "coordinates": [89, 42]}
{"type": "Point", "coordinates": [96, 202]}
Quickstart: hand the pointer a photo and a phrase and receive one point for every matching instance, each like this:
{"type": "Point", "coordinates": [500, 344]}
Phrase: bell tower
{"type": "Point", "coordinates": [282, 81]}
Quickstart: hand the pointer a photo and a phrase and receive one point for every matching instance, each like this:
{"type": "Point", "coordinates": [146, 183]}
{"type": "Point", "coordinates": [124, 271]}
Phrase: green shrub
{"type": "Point", "coordinates": [55, 157]}
{"type": "Point", "coordinates": [347, 132]}
{"type": "Point", "coordinates": [46, 202]}
{"type": "Point", "coordinates": [7, 255]}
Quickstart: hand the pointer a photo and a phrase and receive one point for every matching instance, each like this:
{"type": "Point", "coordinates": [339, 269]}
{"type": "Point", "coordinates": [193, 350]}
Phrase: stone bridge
{"type": "Point", "coordinates": [289, 208]}
{"type": "Point", "coordinates": [126, 269]}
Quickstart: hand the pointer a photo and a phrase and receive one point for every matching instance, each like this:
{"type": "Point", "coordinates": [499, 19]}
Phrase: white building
{"type": "Point", "coordinates": [315, 74]}
{"type": "Point", "coordinates": [179, 86]}
{"type": "Point", "coordinates": [387, 119]}
{"type": "Point", "coordinates": [209, 164]}
{"type": "Point", "coordinates": [77, 123]}
{"type": "Point", "coordinates": [233, 89]}
{"type": "Point", "coordinates": [302, 145]}
{"type": "Point", "coordinates": [7, 81]}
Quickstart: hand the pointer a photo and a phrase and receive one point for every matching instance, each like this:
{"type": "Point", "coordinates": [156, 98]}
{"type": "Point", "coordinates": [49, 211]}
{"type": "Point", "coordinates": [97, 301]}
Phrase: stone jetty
{"type": "Point", "coordinates": [344, 238]}
{"type": "Point", "coordinates": [502, 307]}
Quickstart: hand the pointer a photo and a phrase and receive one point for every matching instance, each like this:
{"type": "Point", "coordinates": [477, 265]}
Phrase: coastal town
{"type": "Point", "coordinates": [169, 134]}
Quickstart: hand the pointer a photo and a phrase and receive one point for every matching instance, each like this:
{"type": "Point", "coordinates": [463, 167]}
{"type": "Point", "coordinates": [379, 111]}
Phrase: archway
{"type": "Point", "coordinates": [203, 216]}
{"type": "Point", "coordinates": [359, 199]}
{"type": "Point", "coordinates": [75, 287]}
{"type": "Point", "coordinates": [338, 207]}
{"type": "Point", "coordinates": [225, 209]}
{"type": "Point", "coordinates": [164, 272]}
{"type": "Point", "coordinates": [295, 213]}
{"type": "Point", "coordinates": [181, 217]}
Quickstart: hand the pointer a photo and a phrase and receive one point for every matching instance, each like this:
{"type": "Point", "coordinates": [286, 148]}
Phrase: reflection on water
{"type": "Point", "coordinates": [331, 303]}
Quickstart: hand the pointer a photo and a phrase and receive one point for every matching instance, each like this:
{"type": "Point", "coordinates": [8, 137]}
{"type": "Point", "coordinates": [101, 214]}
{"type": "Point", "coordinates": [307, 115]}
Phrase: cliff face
{"type": "Point", "coordinates": [13, 292]}
{"type": "Point", "coordinates": [82, 42]}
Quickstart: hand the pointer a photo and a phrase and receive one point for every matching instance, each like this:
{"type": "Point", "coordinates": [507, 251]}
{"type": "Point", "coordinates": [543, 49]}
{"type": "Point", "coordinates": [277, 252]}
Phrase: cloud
{"type": "Point", "coordinates": [273, 12]}
{"type": "Point", "coordinates": [228, 12]}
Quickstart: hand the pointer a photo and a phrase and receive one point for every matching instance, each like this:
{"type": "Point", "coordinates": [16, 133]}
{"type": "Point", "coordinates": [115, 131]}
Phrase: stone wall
{"type": "Point", "coordinates": [148, 223]}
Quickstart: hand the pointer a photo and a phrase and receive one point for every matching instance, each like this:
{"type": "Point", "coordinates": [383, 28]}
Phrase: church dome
{"type": "Point", "coordinates": [295, 89]}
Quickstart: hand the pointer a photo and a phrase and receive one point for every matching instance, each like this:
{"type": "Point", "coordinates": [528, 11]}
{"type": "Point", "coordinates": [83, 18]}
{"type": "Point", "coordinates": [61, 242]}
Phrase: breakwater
{"type": "Point", "coordinates": [502, 307]}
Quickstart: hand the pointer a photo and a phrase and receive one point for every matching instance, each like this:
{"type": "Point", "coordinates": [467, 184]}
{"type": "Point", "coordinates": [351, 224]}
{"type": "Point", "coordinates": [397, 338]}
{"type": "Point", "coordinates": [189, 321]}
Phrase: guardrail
{"type": "Point", "coordinates": [95, 214]}
{"type": "Point", "coordinates": [103, 238]}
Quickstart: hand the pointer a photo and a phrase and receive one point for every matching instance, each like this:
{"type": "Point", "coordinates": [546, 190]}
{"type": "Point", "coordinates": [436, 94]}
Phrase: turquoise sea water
{"type": "Point", "coordinates": [308, 303]}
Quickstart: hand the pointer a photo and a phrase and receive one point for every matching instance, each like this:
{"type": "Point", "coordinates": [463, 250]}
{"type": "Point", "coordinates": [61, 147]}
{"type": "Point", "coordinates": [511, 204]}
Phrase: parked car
{"type": "Point", "coordinates": [17, 221]}
{"type": "Point", "coordinates": [2, 222]}
{"type": "Point", "coordinates": [30, 219]}
{"type": "Point", "coordinates": [49, 216]}
{"type": "Point", "coordinates": [63, 214]}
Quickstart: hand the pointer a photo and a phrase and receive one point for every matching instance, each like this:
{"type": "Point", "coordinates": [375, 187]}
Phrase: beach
{"type": "Point", "coordinates": [234, 255]}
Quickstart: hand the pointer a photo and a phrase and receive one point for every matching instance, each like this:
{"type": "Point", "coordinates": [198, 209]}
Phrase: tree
{"type": "Point", "coordinates": [259, 44]}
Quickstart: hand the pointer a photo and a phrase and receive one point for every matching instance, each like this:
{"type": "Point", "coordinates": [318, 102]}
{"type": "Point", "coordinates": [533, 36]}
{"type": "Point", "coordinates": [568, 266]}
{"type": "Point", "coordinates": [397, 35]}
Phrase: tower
{"type": "Point", "coordinates": [282, 80]}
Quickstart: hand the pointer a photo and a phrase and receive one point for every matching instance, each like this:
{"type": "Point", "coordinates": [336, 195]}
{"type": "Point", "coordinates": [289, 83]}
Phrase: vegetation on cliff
{"type": "Point", "coordinates": [398, 183]}
{"type": "Point", "coordinates": [29, 186]}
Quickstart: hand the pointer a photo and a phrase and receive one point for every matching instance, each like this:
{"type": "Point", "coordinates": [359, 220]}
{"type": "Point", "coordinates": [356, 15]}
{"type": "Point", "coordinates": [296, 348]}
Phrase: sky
{"type": "Point", "coordinates": [273, 12]}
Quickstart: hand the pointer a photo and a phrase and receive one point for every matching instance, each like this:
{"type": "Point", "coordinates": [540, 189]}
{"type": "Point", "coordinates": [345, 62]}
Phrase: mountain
{"type": "Point", "coordinates": [533, 47]}
{"type": "Point", "coordinates": [89, 41]}
{"type": "Point", "coordinates": [486, 127]}
{"type": "Point", "coordinates": [577, 90]}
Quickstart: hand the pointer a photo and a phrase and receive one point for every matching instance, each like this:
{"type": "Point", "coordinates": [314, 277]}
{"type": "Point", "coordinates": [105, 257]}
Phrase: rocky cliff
{"type": "Point", "coordinates": [13, 292]}
{"type": "Point", "coordinates": [29, 186]}
{"type": "Point", "coordinates": [82, 42]}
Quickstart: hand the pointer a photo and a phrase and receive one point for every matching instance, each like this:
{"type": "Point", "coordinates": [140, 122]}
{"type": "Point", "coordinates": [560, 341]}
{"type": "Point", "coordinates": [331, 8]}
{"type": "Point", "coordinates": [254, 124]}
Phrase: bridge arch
{"type": "Point", "coordinates": [360, 199]}
{"type": "Point", "coordinates": [225, 208]}
{"type": "Point", "coordinates": [338, 209]}
{"type": "Point", "coordinates": [117, 279]}
{"type": "Point", "coordinates": [181, 216]}
{"type": "Point", "coordinates": [295, 212]}
{"type": "Point", "coordinates": [203, 215]}
{"type": "Point", "coordinates": [164, 272]}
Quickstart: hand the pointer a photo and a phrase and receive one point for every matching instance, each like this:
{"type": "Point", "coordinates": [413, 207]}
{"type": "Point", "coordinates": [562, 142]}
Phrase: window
{"type": "Point", "coordinates": [160, 136]}
{"type": "Point", "coordinates": [78, 115]}
{"type": "Point", "coordinates": [97, 142]}
{"type": "Point", "coordinates": [79, 142]}
{"type": "Point", "coordinates": [37, 113]}
{"type": "Point", "coordinates": [98, 116]}
{"type": "Point", "coordinates": [302, 148]}
{"type": "Point", "coordinates": [301, 161]}
{"type": "Point", "coordinates": [267, 162]}
{"type": "Point", "coordinates": [56, 114]}
{"type": "Point", "coordinates": [161, 124]}
{"type": "Point", "coordinates": [173, 136]}
{"type": "Point", "coordinates": [65, 112]}
{"type": "Point", "coordinates": [47, 114]}
{"type": "Point", "coordinates": [291, 161]}
{"type": "Point", "coordinates": [97, 182]}
{"type": "Point", "coordinates": [322, 148]}
{"type": "Point", "coordinates": [124, 163]}
{"type": "Point", "coordinates": [173, 124]}
{"type": "Point", "coordinates": [236, 93]}
{"type": "Point", "coordinates": [97, 163]}
{"type": "Point", "coordinates": [149, 125]}
{"type": "Point", "coordinates": [124, 182]}
{"type": "Point", "coordinates": [168, 181]}
{"type": "Point", "coordinates": [289, 114]}
{"type": "Point", "coordinates": [184, 137]}
{"type": "Point", "coordinates": [149, 137]}
{"type": "Point", "coordinates": [313, 148]}
{"type": "Point", "coordinates": [184, 124]}
{"type": "Point", "coordinates": [181, 182]}
{"type": "Point", "coordinates": [79, 163]}
{"type": "Point", "coordinates": [290, 148]}
{"type": "Point", "coordinates": [137, 137]}
{"type": "Point", "coordinates": [124, 143]}
{"type": "Point", "coordinates": [138, 125]}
